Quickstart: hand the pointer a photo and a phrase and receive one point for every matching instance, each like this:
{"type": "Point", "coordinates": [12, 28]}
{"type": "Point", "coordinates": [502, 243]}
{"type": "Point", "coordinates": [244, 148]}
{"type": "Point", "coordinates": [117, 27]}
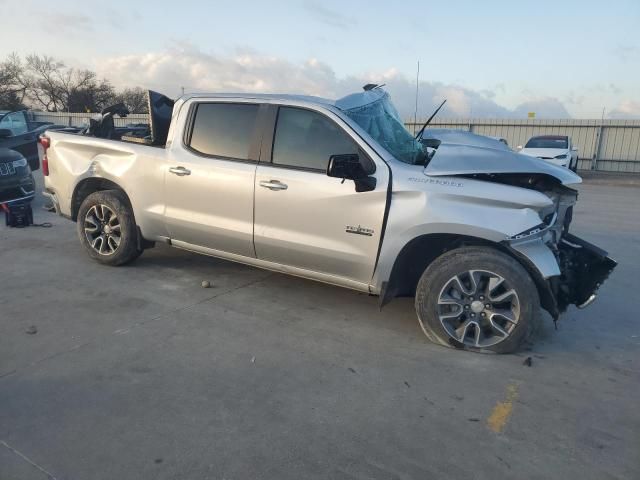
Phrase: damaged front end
{"type": "Point", "coordinates": [584, 267]}
{"type": "Point", "coordinates": [566, 269]}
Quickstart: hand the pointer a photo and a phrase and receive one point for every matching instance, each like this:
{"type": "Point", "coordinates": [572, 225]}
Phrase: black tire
{"type": "Point", "coordinates": [574, 167]}
{"type": "Point", "coordinates": [127, 250]}
{"type": "Point", "coordinates": [457, 263]}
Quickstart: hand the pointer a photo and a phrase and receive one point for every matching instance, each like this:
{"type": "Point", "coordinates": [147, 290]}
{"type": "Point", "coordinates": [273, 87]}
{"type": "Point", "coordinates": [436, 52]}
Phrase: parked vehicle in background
{"type": "Point", "coordinates": [337, 191]}
{"type": "Point", "coordinates": [16, 180]}
{"type": "Point", "coordinates": [555, 149]}
{"type": "Point", "coordinates": [19, 132]}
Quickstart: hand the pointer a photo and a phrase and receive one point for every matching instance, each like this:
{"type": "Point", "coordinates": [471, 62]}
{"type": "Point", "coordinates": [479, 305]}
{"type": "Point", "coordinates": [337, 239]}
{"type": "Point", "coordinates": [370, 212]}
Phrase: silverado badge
{"type": "Point", "coordinates": [359, 230]}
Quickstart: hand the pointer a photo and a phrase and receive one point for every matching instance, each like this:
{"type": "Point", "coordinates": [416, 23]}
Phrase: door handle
{"type": "Point", "coordinates": [180, 171]}
{"type": "Point", "coordinates": [273, 185]}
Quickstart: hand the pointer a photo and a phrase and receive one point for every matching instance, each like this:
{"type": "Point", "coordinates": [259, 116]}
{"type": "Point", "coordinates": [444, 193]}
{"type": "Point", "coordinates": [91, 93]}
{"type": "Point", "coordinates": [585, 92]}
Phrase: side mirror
{"type": "Point", "coordinates": [349, 167]}
{"type": "Point", "coordinates": [574, 149]}
{"type": "Point", "coordinates": [345, 166]}
{"type": "Point", "coordinates": [5, 133]}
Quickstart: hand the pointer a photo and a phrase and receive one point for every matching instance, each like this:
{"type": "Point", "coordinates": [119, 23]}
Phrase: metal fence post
{"type": "Point", "coordinates": [596, 150]}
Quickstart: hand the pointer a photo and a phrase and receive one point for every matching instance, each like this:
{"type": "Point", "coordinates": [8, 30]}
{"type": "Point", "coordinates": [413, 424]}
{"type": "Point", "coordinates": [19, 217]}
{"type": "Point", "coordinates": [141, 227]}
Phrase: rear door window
{"type": "Point", "coordinates": [224, 129]}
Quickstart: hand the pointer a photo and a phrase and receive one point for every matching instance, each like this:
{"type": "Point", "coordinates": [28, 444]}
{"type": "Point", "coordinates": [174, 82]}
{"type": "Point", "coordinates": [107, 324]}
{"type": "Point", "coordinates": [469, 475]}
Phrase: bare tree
{"type": "Point", "coordinates": [135, 99]}
{"type": "Point", "coordinates": [48, 84]}
{"type": "Point", "coordinates": [13, 89]}
{"type": "Point", "coordinates": [55, 87]}
{"type": "Point", "coordinates": [45, 82]}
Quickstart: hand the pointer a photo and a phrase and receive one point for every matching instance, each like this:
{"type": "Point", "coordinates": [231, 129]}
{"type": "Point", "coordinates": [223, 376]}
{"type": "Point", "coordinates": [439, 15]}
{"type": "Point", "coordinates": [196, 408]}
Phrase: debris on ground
{"type": "Point", "coordinates": [206, 284]}
{"type": "Point", "coordinates": [527, 361]}
{"type": "Point", "coordinates": [32, 330]}
{"type": "Point", "coordinates": [407, 384]}
{"type": "Point", "coordinates": [253, 359]}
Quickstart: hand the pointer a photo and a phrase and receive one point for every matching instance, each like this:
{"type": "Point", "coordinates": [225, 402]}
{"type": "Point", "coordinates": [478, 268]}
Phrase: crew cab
{"type": "Point", "coordinates": [340, 192]}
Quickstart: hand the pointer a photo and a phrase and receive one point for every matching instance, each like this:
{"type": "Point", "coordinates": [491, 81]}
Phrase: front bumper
{"type": "Point", "coordinates": [584, 268]}
{"type": "Point", "coordinates": [570, 274]}
{"type": "Point", "coordinates": [17, 189]}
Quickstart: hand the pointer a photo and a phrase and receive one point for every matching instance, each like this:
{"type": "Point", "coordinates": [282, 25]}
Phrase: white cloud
{"type": "Point", "coordinates": [627, 109]}
{"type": "Point", "coordinates": [249, 71]}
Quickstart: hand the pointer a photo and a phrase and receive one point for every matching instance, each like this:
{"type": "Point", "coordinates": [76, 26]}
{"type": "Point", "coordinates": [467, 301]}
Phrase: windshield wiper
{"type": "Point", "coordinates": [430, 118]}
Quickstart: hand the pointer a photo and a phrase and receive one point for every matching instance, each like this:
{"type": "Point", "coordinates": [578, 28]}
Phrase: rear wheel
{"type": "Point", "coordinates": [479, 299]}
{"type": "Point", "coordinates": [107, 229]}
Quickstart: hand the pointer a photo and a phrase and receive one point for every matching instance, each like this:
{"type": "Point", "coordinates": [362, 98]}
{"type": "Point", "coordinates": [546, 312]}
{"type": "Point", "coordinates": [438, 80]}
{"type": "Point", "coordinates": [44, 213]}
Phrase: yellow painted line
{"type": "Point", "coordinates": [502, 411]}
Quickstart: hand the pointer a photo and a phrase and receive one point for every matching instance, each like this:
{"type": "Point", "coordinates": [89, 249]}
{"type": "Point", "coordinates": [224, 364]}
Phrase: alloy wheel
{"type": "Point", "coordinates": [478, 308]}
{"type": "Point", "coordinates": [102, 229]}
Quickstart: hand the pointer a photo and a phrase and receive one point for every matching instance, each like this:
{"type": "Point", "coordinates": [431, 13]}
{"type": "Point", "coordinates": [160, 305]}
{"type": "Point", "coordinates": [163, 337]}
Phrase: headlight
{"type": "Point", "coordinates": [564, 155]}
{"type": "Point", "coordinates": [20, 163]}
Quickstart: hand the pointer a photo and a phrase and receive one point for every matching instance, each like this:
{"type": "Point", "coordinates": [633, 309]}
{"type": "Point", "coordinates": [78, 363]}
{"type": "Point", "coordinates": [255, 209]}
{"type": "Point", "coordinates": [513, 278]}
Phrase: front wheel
{"type": "Point", "coordinates": [107, 229]}
{"type": "Point", "coordinates": [479, 299]}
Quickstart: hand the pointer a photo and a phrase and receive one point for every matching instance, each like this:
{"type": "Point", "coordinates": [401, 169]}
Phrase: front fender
{"type": "Point", "coordinates": [463, 214]}
{"type": "Point", "coordinates": [539, 255]}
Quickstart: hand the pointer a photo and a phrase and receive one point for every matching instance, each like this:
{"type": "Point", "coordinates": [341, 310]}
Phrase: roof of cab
{"type": "Point", "coordinates": [263, 96]}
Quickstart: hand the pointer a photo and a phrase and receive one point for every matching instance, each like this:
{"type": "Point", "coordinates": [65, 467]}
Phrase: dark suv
{"type": "Point", "coordinates": [16, 179]}
{"type": "Point", "coordinates": [19, 132]}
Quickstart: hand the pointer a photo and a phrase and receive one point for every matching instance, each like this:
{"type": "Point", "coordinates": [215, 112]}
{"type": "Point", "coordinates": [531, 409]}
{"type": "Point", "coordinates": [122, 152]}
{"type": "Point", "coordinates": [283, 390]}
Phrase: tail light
{"type": "Point", "coordinates": [46, 143]}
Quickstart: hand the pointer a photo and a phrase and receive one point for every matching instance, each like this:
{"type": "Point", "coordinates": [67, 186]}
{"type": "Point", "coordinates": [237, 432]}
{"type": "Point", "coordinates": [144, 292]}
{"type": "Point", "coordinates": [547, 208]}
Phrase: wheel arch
{"type": "Point", "coordinates": [421, 251]}
{"type": "Point", "coordinates": [91, 185]}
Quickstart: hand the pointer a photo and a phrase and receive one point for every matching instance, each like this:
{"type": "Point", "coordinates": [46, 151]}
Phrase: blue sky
{"type": "Point", "coordinates": [490, 58]}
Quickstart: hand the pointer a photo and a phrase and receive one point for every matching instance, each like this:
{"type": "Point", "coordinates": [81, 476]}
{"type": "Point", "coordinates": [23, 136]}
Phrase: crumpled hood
{"type": "Point", "coordinates": [463, 137]}
{"type": "Point", "coordinates": [544, 152]}
{"type": "Point", "coordinates": [457, 159]}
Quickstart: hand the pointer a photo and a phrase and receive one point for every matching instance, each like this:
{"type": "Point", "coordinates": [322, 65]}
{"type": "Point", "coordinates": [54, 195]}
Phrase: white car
{"type": "Point", "coordinates": [555, 149]}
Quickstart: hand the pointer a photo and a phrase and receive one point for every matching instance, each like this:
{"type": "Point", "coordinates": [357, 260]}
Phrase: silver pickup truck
{"type": "Point", "coordinates": [337, 191]}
